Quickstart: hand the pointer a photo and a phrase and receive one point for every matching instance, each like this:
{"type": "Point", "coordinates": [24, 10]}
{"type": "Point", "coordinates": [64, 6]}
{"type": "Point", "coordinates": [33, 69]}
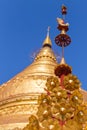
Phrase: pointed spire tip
{"type": "Point", "coordinates": [48, 31]}
{"type": "Point", "coordinates": [62, 61]}
{"type": "Point", "coordinates": [47, 40]}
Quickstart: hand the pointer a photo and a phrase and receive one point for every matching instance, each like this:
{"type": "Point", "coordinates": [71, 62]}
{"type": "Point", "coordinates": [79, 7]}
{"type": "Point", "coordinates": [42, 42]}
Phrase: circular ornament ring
{"type": "Point", "coordinates": [62, 40]}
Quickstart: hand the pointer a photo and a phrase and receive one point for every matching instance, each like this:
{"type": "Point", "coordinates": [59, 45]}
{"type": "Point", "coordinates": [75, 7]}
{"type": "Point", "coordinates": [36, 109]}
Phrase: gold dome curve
{"type": "Point", "coordinates": [26, 81]}
{"type": "Point", "coordinates": [18, 96]}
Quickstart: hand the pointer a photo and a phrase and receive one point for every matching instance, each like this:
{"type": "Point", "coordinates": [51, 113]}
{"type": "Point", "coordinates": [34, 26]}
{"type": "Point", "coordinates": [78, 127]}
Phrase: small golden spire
{"type": "Point", "coordinates": [47, 40]}
{"type": "Point", "coordinates": [62, 61]}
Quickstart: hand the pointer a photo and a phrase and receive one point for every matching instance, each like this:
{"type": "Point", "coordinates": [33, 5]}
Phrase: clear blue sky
{"type": "Point", "coordinates": [23, 25]}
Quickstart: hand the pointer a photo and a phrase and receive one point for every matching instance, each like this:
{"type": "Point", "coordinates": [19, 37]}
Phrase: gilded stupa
{"type": "Point", "coordinates": [19, 96]}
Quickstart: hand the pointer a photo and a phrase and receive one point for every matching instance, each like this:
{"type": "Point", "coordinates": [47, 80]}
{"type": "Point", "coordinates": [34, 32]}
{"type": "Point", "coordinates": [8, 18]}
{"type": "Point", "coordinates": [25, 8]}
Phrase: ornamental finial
{"type": "Point", "coordinates": [64, 10]}
{"type": "Point", "coordinates": [63, 39]}
{"type": "Point", "coordinates": [47, 41]}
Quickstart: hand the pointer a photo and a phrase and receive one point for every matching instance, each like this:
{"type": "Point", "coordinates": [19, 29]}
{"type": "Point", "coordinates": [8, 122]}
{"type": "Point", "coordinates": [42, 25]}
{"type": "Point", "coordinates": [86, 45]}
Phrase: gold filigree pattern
{"type": "Point", "coordinates": [60, 109]}
{"type": "Point", "coordinates": [20, 109]}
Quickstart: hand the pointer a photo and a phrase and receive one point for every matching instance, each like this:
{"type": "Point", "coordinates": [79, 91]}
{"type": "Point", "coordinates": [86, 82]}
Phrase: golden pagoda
{"type": "Point", "coordinates": [19, 96]}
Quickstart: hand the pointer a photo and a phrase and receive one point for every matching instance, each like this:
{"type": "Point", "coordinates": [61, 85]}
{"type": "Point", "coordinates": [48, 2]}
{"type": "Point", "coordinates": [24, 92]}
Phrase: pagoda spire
{"type": "Point", "coordinates": [47, 41]}
{"type": "Point", "coordinates": [63, 39]}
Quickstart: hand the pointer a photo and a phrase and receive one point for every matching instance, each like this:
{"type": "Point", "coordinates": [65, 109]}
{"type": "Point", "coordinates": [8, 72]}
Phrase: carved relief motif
{"type": "Point", "coordinates": [39, 79]}
{"type": "Point", "coordinates": [20, 109]}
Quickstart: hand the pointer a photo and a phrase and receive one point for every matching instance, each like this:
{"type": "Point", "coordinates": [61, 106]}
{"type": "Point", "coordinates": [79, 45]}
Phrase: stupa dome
{"type": "Point", "coordinates": [31, 79]}
{"type": "Point", "coordinates": [18, 96]}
